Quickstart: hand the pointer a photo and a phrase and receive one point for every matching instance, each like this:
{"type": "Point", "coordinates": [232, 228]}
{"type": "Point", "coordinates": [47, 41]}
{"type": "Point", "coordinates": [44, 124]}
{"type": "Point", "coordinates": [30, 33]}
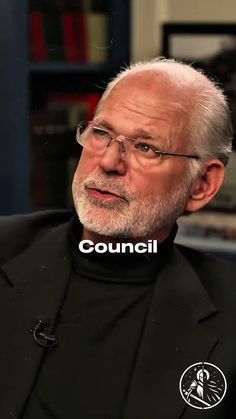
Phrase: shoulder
{"type": "Point", "coordinates": [218, 276]}
{"type": "Point", "coordinates": [17, 232]}
{"type": "Point", "coordinates": [204, 261]}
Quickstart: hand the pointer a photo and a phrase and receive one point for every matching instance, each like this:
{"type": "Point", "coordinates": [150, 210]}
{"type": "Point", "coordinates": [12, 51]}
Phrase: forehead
{"type": "Point", "coordinates": [147, 100]}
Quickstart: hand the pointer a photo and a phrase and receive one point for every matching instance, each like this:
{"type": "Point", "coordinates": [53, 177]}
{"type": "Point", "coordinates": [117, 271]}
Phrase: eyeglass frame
{"type": "Point", "coordinates": [115, 138]}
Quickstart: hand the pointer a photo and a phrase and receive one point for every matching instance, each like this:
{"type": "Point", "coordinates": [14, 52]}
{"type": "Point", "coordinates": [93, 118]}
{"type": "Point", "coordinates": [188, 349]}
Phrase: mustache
{"type": "Point", "coordinates": [97, 181]}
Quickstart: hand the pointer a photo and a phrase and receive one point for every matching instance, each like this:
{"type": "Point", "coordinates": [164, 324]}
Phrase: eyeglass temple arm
{"type": "Point", "coordinates": [164, 153]}
{"type": "Point", "coordinates": [190, 156]}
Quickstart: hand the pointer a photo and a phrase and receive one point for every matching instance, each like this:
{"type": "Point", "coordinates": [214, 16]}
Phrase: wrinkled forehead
{"type": "Point", "coordinates": [160, 85]}
{"type": "Point", "coordinates": [151, 98]}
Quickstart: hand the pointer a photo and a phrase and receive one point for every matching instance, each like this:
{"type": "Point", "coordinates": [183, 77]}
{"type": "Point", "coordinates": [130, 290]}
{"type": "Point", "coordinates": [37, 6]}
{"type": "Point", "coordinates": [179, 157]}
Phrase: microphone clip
{"type": "Point", "coordinates": [40, 335]}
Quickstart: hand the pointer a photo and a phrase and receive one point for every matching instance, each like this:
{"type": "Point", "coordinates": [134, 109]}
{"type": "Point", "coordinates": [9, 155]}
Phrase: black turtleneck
{"type": "Point", "coordinates": [99, 331]}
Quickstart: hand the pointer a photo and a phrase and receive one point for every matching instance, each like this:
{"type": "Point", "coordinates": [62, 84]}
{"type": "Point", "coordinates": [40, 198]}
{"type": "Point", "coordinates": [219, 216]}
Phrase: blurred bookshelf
{"type": "Point", "coordinates": [213, 229]}
{"type": "Point", "coordinates": [50, 49]}
{"type": "Point", "coordinates": [75, 48]}
{"type": "Point", "coordinates": [210, 47]}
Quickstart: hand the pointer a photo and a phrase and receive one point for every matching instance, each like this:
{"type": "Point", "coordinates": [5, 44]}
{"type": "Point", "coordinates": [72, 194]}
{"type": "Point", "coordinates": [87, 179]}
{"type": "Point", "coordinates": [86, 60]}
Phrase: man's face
{"type": "Point", "coordinates": [114, 196]}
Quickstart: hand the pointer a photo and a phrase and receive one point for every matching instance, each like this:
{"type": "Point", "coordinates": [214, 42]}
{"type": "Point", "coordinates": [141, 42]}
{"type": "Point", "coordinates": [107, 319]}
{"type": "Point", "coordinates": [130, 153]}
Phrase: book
{"type": "Point", "coordinates": [92, 100]}
{"type": "Point", "coordinates": [37, 40]}
{"type": "Point", "coordinates": [78, 11]}
{"type": "Point", "coordinates": [67, 17]}
{"type": "Point", "coordinates": [79, 107]}
{"type": "Point", "coordinates": [81, 36]}
{"type": "Point", "coordinates": [54, 29]}
{"type": "Point", "coordinates": [97, 37]}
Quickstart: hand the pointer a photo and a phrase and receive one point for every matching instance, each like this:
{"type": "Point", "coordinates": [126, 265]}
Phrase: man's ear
{"type": "Point", "coordinates": [206, 185]}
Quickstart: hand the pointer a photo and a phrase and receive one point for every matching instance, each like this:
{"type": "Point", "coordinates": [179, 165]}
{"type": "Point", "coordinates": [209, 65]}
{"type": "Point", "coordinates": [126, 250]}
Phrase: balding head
{"type": "Point", "coordinates": [208, 119]}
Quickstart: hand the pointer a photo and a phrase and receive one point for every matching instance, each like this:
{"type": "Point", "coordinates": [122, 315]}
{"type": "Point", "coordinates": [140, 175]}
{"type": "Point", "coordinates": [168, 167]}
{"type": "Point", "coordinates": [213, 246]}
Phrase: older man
{"type": "Point", "coordinates": [139, 335]}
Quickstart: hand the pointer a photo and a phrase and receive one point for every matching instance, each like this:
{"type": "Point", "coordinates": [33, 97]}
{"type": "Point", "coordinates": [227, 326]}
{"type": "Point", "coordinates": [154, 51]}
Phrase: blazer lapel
{"type": "Point", "coordinates": [174, 335]}
{"type": "Point", "coordinates": [174, 338]}
{"type": "Point", "coordinates": [39, 278]}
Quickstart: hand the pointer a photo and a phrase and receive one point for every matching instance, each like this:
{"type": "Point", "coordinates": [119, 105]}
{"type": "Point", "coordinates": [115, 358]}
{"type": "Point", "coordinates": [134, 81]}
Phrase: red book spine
{"type": "Point", "coordinates": [81, 36]}
{"type": "Point", "coordinates": [39, 50]}
{"type": "Point", "coordinates": [92, 101]}
{"type": "Point", "coordinates": [69, 37]}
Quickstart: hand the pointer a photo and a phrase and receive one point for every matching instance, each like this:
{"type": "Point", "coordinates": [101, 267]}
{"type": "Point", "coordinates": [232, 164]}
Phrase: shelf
{"type": "Point", "coordinates": [63, 67]}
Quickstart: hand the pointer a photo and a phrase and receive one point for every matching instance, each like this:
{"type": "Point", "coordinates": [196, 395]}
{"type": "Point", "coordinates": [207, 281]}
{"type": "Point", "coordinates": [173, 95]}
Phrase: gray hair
{"type": "Point", "coordinates": [210, 127]}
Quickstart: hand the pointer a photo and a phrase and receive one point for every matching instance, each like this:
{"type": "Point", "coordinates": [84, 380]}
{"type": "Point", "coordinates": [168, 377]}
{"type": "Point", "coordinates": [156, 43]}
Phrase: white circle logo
{"type": "Point", "coordinates": [203, 385]}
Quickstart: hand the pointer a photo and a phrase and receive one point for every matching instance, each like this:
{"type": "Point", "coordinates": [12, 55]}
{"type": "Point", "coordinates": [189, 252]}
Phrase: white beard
{"type": "Point", "coordinates": [139, 217]}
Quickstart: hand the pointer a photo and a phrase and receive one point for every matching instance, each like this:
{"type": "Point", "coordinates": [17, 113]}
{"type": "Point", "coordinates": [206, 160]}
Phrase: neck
{"type": "Point", "coordinates": [160, 236]}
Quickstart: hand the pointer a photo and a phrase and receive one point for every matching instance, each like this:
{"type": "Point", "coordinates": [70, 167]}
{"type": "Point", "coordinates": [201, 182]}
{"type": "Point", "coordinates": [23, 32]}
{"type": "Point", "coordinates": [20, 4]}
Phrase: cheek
{"type": "Point", "coordinates": [159, 184]}
{"type": "Point", "coordinates": [151, 183]}
{"type": "Point", "coordinates": [87, 164]}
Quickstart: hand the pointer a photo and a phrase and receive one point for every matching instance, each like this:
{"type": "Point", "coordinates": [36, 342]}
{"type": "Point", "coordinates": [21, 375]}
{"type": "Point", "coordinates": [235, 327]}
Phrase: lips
{"type": "Point", "coordinates": [103, 193]}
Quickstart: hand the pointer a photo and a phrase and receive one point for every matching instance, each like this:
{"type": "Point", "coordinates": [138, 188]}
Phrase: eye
{"type": "Point", "coordinates": [99, 132]}
{"type": "Point", "coordinates": [146, 149]}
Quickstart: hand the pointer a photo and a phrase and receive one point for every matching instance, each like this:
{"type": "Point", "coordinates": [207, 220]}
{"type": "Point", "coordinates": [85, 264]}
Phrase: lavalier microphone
{"type": "Point", "coordinates": [39, 331]}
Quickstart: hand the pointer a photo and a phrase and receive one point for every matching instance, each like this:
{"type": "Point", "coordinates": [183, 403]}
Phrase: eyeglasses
{"type": "Point", "coordinates": [97, 139]}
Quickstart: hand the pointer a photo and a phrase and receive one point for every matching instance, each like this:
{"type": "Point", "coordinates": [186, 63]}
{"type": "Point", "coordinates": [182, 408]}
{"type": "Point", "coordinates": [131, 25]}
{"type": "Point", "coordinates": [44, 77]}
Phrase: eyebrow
{"type": "Point", "coordinates": [140, 132]}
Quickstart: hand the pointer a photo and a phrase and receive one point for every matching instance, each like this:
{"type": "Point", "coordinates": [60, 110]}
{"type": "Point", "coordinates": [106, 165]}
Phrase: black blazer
{"type": "Point", "coordinates": [192, 318]}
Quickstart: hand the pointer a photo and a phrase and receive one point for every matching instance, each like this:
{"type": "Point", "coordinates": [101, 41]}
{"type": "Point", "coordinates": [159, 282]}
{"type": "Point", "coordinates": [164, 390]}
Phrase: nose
{"type": "Point", "coordinates": [113, 139]}
{"type": "Point", "coordinates": [112, 160]}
